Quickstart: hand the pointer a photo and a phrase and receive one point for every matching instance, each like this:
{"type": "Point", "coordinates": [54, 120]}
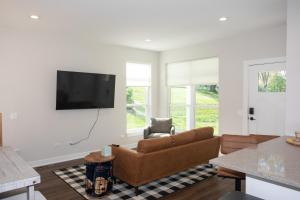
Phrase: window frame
{"type": "Point", "coordinates": [148, 105]}
{"type": "Point", "coordinates": [187, 105]}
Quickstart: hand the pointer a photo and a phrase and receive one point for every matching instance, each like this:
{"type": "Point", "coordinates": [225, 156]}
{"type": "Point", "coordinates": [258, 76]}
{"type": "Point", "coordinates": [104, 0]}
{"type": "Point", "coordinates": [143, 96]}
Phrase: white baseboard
{"type": "Point", "coordinates": [59, 159]}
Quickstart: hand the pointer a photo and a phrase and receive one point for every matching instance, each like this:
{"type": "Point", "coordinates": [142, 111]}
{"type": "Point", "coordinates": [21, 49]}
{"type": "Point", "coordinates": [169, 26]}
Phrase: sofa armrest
{"type": "Point", "coordinates": [147, 132]}
{"type": "Point", "coordinates": [127, 165]}
{"type": "Point", "coordinates": [172, 131]}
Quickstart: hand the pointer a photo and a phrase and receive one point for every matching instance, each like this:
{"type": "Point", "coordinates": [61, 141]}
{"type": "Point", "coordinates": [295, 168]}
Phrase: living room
{"type": "Point", "coordinates": [164, 39]}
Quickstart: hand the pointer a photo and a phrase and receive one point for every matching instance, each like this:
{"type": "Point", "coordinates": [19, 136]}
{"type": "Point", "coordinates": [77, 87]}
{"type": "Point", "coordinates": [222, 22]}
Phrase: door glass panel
{"type": "Point", "coordinates": [272, 81]}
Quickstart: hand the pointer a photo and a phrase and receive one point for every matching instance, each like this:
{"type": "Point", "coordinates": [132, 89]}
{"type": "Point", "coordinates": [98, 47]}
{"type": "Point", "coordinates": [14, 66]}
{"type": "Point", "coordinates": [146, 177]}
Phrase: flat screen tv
{"type": "Point", "coordinates": [77, 90]}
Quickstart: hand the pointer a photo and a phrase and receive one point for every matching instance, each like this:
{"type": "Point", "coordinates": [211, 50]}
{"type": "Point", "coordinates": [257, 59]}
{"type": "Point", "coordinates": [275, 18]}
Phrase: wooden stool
{"type": "Point", "coordinates": [99, 174]}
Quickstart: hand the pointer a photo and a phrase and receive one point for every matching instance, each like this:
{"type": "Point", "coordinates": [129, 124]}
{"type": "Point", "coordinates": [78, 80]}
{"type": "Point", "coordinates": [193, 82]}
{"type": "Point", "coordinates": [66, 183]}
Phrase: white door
{"type": "Point", "coordinates": [266, 98]}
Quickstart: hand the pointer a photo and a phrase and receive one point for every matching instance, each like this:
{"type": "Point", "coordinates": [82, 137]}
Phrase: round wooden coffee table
{"type": "Point", "coordinates": [99, 174]}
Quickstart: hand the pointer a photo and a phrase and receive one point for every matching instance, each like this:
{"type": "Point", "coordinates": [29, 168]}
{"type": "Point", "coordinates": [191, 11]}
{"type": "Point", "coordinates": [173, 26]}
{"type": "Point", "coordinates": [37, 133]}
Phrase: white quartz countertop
{"type": "Point", "coordinates": [274, 160]}
{"type": "Point", "coordinates": [15, 173]}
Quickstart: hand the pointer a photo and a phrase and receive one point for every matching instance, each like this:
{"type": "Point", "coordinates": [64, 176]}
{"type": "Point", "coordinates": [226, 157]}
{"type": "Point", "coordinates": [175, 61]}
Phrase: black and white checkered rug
{"type": "Point", "coordinates": [74, 177]}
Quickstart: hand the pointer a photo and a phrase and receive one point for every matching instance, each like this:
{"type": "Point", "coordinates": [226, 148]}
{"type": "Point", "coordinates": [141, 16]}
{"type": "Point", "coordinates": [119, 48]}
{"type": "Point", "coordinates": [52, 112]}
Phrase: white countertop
{"type": "Point", "coordinates": [15, 173]}
{"type": "Point", "coordinates": [274, 160]}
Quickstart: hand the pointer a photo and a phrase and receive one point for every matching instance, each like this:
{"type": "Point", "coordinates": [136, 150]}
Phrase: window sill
{"type": "Point", "coordinates": [135, 132]}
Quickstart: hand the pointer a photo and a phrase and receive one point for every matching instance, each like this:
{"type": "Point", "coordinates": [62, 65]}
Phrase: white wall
{"type": "Point", "coordinates": [28, 64]}
{"type": "Point", "coordinates": [232, 52]}
{"type": "Point", "coordinates": [293, 68]}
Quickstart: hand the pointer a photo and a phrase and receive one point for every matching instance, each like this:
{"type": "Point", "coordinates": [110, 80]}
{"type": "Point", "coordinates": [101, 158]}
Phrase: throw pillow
{"type": "Point", "coordinates": [161, 125]}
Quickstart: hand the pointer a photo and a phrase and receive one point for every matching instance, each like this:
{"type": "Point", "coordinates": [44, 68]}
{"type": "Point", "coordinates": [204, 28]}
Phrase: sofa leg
{"type": "Point", "coordinates": [137, 192]}
{"type": "Point", "coordinates": [238, 183]}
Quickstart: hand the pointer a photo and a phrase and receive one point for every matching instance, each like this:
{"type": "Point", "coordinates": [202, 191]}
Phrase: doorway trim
{"type": "Point", "coordinates": [247, 64]}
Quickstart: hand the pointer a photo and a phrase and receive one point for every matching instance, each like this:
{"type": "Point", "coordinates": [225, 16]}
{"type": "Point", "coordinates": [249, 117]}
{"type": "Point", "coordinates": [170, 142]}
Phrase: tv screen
{"type": "Point", "coordinates": [77, 90]}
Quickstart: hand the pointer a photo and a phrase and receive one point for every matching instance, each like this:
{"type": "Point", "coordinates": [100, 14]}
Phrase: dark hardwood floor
{"type": "Point", "coordinates": [54, 188]}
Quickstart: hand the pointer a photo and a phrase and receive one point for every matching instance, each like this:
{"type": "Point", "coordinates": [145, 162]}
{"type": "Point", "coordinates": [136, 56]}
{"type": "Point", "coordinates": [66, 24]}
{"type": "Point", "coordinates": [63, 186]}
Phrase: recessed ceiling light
{"type": "Point", "coordinates": [34, 17]}
{"type": "Point", "coordinates": [148, 40]}
{"type": "Point", "coordinates": [223, 19]}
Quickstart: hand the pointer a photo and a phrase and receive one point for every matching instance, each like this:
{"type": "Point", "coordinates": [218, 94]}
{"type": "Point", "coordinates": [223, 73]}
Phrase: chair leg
{"type": "Point", "coordinates": [210, 165]}
{"type": "Point", "coordinates": [238, 183]}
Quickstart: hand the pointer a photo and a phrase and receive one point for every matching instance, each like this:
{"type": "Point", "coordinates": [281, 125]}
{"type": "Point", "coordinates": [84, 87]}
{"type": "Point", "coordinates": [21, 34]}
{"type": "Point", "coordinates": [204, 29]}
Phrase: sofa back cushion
{"type": "Point", "coordinates": [203, 133]}
{"type": "Point", "coordinates": [154, 144]}
{"type": "Point", "coordinates": [183, 138]}
{"type": "Point", "coordinates": [161, 125]}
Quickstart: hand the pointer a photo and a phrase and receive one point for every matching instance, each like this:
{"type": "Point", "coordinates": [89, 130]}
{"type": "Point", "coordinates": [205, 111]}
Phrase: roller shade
{"type": "Point", "coordinates": [138, 74]}
{"type": "Point", "coordinates": [204, 71]}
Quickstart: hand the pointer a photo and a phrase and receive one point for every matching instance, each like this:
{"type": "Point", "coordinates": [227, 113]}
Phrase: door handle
{"type": "Point", "coordinates": [252, 118]}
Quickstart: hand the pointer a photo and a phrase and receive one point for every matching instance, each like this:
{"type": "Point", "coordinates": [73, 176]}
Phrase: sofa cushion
{"type": "Point", "coordinates": [203, 133]}
{"type": "Point", "coordinates": [154, 144]}
{"type": "Point", "coordinates": [161, 125]}
{"type": "Point", "coordinates": [183, 138]}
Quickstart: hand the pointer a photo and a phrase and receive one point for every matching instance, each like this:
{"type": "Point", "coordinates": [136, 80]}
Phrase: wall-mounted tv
{"type": "Point", "coordinates": [77, 90]}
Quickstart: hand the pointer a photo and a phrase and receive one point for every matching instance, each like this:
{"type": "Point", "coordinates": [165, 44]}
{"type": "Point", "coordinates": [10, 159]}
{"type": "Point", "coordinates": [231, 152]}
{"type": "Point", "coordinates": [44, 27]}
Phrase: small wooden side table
{"type": "Point", "coordinates": [99, 174]}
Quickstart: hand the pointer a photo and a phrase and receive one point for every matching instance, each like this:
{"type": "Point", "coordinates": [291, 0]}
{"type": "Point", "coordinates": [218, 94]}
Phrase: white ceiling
{"type": "Point", "coordinates": [169, 23]}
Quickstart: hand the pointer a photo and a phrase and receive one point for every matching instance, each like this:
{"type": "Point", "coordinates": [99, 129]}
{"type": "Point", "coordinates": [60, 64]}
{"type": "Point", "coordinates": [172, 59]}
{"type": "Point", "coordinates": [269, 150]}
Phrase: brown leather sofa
{"type": "Point", "coordinates": [159, 157]}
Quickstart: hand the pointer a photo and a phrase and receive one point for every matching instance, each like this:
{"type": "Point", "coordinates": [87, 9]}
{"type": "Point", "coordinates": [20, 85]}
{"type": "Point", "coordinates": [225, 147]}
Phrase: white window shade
{"type": "Point", "coordinates": [138, 74]}
{"type": "Point", "coordinates": [204, 71]}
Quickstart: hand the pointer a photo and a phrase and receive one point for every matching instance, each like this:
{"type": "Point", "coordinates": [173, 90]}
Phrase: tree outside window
{"type": "Point", "coordinates": [138, 95]}
{"type": "Point", "coordinates": [272, 81]}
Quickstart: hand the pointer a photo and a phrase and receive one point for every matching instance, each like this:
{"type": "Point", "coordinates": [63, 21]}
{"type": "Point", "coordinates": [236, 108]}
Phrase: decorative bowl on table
{"type": "Point", "coordinates": [293, 140]}
{"type": "Point", "coordinates": [297, 135]}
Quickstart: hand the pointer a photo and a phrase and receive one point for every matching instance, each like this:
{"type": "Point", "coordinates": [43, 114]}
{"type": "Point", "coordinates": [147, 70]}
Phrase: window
{"type": "Point", "coordinates": [195, 106]}
{"type": "Point", "coordinates": [193, 94]}
{"type": "Point", "coordinates": [137, 107]}
{"type": "Point", "coordinates": [272, 81]}
{"type": "Point", "coordinates": [138, 92]}
{"type": "Point", "coordinates": [207, 106]}
{"type": "Point", "coordinates": [179, 107]}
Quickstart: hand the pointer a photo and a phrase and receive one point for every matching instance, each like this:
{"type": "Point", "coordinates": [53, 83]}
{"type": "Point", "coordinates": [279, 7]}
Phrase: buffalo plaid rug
{"type": "Point", "coordinates": [74, 177]}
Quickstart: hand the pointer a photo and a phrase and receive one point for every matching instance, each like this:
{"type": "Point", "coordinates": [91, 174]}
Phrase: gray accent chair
{"type": "Point", "coordinates": [160, 127]}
